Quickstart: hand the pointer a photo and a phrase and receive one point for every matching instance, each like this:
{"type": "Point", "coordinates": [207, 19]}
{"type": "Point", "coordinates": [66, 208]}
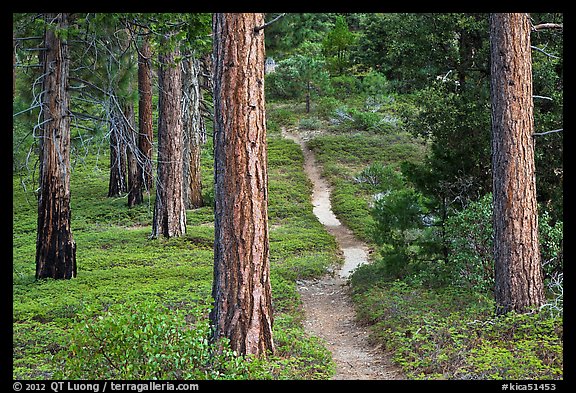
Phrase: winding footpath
{"type": "Point", "coordinates": [329, 310]}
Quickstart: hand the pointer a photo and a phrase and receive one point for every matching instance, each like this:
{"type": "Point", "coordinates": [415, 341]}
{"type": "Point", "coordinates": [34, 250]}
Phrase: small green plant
{"type": "Point", "coordinates": [382, 178]}
{"type": "Point", "coordinates": [309, 123]}
{"type": "Point", "coordinates": [469, 236]}
{"type": "Point", "coordinates": [326, 106]}
{"type": "Point", "coordinates": [147, 341]}
{"type": "Point", "coordinates": [452, 333]}
{"type": "Point", "coordinates": [403, 224]}
{"type": "Point", "coordinates": [375, 83]}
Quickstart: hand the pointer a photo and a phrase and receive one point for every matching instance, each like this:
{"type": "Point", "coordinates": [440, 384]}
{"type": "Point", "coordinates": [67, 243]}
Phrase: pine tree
{"type": "Point", "coordinates": [241, 287]}
{"type": "Point", "coordinates": [169, 211]}
{"type": "Point", "coordinates": [518, 271]}
{"type": "Point", "coordinates": [55, 246]}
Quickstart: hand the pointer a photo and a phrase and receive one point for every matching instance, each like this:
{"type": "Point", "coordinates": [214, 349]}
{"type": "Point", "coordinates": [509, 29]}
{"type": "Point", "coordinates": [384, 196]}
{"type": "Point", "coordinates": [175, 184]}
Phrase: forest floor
{"type": "Point", "coordinates": [328, 307]}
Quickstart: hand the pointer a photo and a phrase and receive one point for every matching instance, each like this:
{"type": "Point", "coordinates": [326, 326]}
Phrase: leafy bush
{"type": "Point", "coordinates": [375, 84]}
{"type": "Point", "coordinates": [281, 83]}
{"type": "Point", "coordinates": [293, 76]}
{"type": "Point", "coordinates": [469, 235]}
{"type": "Point", "coordinates": [383, 178]}
{"type": "Point", "coordinates": [366, 121]}
{"type": "Point", "coordinates": [309, 123]}
{"type": "Point", "coordinates": [346, 85]}
{"type": "Point", "coordinates": [452, 333]}
{"type": "Point", "coordinates": [403, 225]}
{"type": "Point", "coordinates": [148, 341]}
{"type": "Point", "coordinates": [326, 106]}
{"type": "Point", "coordinates": [352, 119]}
{"type": "Point", "coordinates": [551, 244]}
{"type": "Point", "coordinates": [400, 217]}
{"type": "Point", "coordinates": [282, 116]}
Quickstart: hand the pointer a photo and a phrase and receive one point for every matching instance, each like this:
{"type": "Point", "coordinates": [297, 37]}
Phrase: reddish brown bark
{"type": "Point", "coordinates": [169, 211]}
{"type": "Point", "coordinates": [518, 270]}
{"type": "Point", "coordinates": [55, 246]}
{"type": "Point", "coordinates": [241, 287]}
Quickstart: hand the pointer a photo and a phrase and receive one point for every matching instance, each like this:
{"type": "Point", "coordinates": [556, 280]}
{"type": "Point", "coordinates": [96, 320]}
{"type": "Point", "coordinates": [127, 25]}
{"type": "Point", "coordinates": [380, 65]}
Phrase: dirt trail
{"type": "Point", "coordinates": [329, 310]}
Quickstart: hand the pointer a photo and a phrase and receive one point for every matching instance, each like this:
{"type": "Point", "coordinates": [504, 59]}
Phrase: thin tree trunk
{"type": "Point", "coordinates": [145, 135]}
{"type": "Point", "coordinates": [192, 122]}
{"type": "Point", "coordinates": [241, 287]}
{"type": "Point", "coordinates": [206, 85]}
{"type": "Point", "coordinates": [55, 246]}
{"type": "Point", "coordinates": [133, 155]}
{"type": "Point", "coordinates": [117, 182]}
{"type": "Point", "coordinates": [518, 270]}
{"type": "Point", "coordinates": [13, 65]}
{"type": "Point", "coordinates": [308, 97]}
{"type": "Point", "coordinates": [169, 211]}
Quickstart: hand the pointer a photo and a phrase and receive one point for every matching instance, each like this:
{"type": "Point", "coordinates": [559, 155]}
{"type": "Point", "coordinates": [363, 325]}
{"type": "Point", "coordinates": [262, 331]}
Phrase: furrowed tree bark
{"type": "Point", "coordinates": [241, 287]}
{"type": "Point", "coordinates": [55, 246]}
{"type": "Point", "coordinates": [169, 211]}
{"type": "Point", "coordinates": [518, 271]}
{"type": "Point", "coordinates": [192, 123]}
{"type": "Point", "coordinates": [145, 135]}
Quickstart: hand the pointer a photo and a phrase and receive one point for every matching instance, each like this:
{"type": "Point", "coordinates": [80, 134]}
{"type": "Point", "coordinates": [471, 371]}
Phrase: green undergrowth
{"type": "Point", "coordinates": [452, 333]}
{"type": "Point", "coordinates": [343, 155]}
{"type": "Point", "coordinates": [433, 332]}
{"type": "Point", "coordinates": [122, 273]}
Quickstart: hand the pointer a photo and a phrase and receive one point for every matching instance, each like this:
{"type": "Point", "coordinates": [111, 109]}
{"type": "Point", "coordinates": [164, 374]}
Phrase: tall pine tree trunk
{"type": "Point", "coordinates": [518, 270]}
{"type": "Point", "coordinates": [55, 246]}
{"type": "Point", "coordinates": [241, 287]}
{"type": "Point", "coordinates": [191, 124]}
{"type": "Point", "coordinates": [169, 211]}
{"type": "Point", "coordinates": [145, 134]}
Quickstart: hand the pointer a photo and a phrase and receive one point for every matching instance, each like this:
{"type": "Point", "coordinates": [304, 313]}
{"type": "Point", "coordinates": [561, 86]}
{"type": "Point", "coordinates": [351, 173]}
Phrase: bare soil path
{"type": "Point", "coordinates": [329, 310]}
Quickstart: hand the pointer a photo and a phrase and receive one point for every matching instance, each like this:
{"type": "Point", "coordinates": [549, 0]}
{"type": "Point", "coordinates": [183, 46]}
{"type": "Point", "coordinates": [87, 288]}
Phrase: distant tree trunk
{"type": "Point", "coordinates": [13, 64]}
{"type": "Point", "coordinates": [192, 122]}
{"type": "Point", "coordinates": [133, 155]}
{"type": "Point", "coordinates": [169, 210]}
{"type": "Point", "coordinates": [117, 182]}
{"type": "Point", "coordinates": [206, 85]}
{"type": "Point", "coordinates": [518, 270]}
{"type": "Point", "coordinates": [308, 97]}
{"type": "Point", "coordinates": [55, 246]}
{"type": "Point", "coordinates": [145, 135]}
{"type": "Point", "coordinates": [241, 287]}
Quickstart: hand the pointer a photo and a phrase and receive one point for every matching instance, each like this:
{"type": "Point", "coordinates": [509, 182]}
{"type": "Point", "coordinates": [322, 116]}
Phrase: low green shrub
{"type": "Point", "coordinates": [325, 106]}
{"type": "Point", "coordinates": [310, 123]}
{"type": "Point", "coordinates": [148, 341]}
{"type": "Point", "coordinates": [469, 235]}
{"type": "Point", "coordinates": [452, 332]}
{"type": "Point", "coordinates": [469, 239]}
{"type": "Point", "coordinates": [154, 341]}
